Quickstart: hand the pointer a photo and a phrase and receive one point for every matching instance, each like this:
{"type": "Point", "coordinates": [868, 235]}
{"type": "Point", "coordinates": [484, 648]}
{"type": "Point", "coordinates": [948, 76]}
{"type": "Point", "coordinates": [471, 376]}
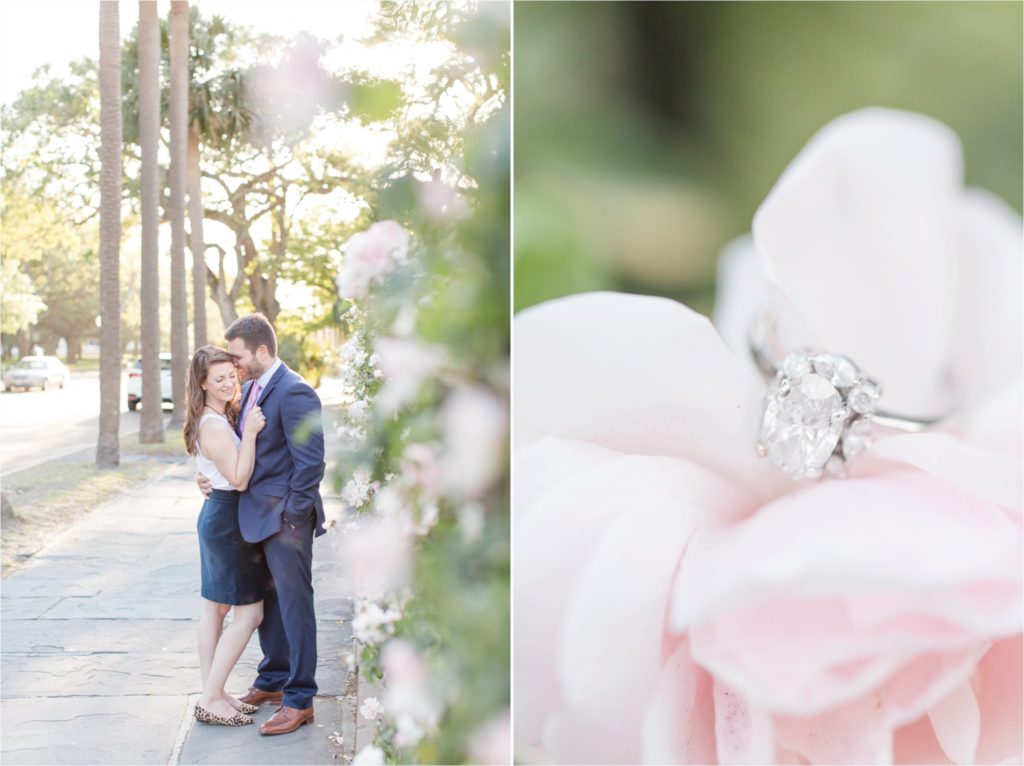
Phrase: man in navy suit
{"type": "Point", "coordinates": [283, 510]}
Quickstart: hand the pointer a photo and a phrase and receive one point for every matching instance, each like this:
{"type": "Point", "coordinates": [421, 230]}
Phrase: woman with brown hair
{"type": "Point", "coordinates": [234, 573]}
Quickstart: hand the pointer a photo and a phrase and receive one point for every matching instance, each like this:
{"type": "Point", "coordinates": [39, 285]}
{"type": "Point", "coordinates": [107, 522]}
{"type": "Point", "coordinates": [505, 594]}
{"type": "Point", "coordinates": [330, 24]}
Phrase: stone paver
{"type": "Point", "coordinates": [95, 729]}
{"type": "Point", "coordinates": [99, 660]}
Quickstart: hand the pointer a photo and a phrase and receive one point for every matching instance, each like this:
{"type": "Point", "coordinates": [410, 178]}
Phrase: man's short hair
{"type": "Point", "coordinates": [255, 330]}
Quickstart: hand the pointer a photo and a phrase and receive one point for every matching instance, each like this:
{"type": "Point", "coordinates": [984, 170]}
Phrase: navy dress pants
{"type": "Point", "coordinates": [288, 631]}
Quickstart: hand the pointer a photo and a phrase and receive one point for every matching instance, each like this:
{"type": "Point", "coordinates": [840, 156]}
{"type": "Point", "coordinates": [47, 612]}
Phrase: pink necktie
{"type": "Point", "coordinates": [254, 396]}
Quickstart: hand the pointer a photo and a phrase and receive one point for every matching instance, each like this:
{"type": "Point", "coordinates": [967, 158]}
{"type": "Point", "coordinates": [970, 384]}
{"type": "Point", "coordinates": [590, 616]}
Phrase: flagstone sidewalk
{"type": "Point", "coordinates": [98, 646]}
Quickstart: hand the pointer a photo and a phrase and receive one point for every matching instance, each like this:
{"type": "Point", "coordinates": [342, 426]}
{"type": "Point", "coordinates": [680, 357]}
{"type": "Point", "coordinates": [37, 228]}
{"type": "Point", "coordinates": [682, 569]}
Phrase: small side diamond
{"type": "Point", "coordinates": [863, 397]}
{"type": "Point", "coordinates": [845, 374]}
{"type": "Point", "coordinates": [840, 371]}
{"type": "Point", "coordinates": [856, 438]}
{"type": "Point", "coordinates": [796, 364]}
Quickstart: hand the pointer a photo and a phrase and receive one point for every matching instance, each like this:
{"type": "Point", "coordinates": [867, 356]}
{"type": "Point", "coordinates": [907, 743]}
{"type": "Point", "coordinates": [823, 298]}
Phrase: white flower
{"type": "Point", "coordinates": [357, 489]}
{"type": "Point", "coordinates": [475, 423]}
{"type": "Point", "coordinates": [372, 624]}
{"type": "Point", "coordinates": [369, 255]}
{"type": "Point", "coordinates": [352, 352]}
{"type": "Point", "coordinates": [357, 411]}
{"type": "Point", "coordinates": [371, 708]}
{"type": "Point", "coordinates": [371, 755]}
{"type": "Point", "coordinates": [407, 731]}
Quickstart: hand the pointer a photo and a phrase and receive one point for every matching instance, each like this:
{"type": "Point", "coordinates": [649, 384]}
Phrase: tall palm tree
{"type": "Point", "coordinates": [108, 447]}
{"type": "Point", "coordinates": [178, 118]}
{"type": "Point", "coordinates": [196, 243]}
{"type": "Point", "coordinates": [151, 427]}
{"type": "Point", "coordinates": [217, 115]}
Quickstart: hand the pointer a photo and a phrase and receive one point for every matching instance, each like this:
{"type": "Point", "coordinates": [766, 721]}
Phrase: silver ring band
{"type": "Point", "coordinates": [759, 338]}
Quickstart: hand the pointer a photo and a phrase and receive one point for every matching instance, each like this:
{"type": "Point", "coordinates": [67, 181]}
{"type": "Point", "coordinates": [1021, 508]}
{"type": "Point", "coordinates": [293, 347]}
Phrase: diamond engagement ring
{"type": "Point", "coordinates": [820, 408]}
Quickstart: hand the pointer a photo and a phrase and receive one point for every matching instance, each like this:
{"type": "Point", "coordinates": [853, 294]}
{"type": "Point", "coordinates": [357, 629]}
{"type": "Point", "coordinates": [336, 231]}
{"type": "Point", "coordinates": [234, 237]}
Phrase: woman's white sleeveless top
{"type": "Point", "coordinates": [207, 466]}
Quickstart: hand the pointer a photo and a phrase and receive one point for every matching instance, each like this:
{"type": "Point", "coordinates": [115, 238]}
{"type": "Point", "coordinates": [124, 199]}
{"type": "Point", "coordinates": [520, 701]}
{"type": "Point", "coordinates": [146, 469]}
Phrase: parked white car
{"type": "Point", "coordinates": [36, 372]}
{"type": "Point", "coordinates": [135, 382]}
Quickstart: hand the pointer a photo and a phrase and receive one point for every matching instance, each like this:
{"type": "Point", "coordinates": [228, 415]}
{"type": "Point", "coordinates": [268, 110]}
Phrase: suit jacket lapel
{"type": "Point", "coordinates": [273, 382]}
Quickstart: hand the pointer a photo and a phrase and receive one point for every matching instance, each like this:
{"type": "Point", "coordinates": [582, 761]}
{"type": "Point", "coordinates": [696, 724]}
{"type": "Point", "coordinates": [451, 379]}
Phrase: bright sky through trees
{"type": "Point", "coordinates": [37, 32]}
{"type": "Point", "coordinates": [30, 38]}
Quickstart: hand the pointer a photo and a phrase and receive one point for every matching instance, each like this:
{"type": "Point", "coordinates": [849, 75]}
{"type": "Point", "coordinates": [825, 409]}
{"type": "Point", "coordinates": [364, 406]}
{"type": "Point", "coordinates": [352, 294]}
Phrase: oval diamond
{"type": "Point", "coordinates": [798, 431]}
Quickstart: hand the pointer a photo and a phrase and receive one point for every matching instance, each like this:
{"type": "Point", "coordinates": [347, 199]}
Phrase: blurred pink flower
{"type": "Point", "coordinates": [490, 745]}
{"type": "Point", "coordinates": [369, 255]}
{"type": "Point", "coordinates": [287, 97]}
{"type": "Point", "coordinates": [406, 697]}
{"type": "Point", "coordinates": [475, 426]}
{"type": "Point", "coordinates": [440, 202]}
{"type": "Point", "coordinates": [677, 599]}
{"type": "Point", "coordinates": [421, 468]}
{"type": "Point", "coordinates": [375, 557]}
{"type": "Point", "coordinates": [405, 364]}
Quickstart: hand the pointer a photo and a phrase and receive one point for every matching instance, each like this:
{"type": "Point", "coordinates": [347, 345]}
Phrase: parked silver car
{"type": "Point", "coordinates": [40, 372]}
{"type": "Point", "coordinates": [135, 382]}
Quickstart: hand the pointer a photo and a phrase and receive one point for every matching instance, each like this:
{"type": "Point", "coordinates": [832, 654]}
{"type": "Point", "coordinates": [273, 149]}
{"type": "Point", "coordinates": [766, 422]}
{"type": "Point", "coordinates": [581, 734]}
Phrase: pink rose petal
{"type": "Point", "coordinates": [743, 733]}
{"type": "Point", "coordinates": [999, 689]}
{"type": "Point", "coordinates": [558, 536]}
{"type": "Point", "coordinates": [641, 375]}
{"type": "Point", "coordinates": [547, 462]}
{"type": "Point", "coordinates": [957, 723]}
{"type": "Point", "coordinates": [679, 724]}
{"type": "Point", "coordinates": [610, 653]}
{"type": "Point", "coordinates": [996, 423]}
{"type": "Point", "coordinates": [861, 731]}
{"type": "Point", "coordinates": [915, 743]}
{"type": "Point", "coordinates": [985, 473]}
{"type": "Point", "coordinates": [988, 343]}
{"type": "Point", "coordinates": [857, 234]}
{"type": "Point", "coordinates": [824, 593]}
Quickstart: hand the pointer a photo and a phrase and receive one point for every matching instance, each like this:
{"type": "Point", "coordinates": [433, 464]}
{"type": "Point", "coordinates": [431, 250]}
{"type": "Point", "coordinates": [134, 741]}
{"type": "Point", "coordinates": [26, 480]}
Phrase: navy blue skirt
{"type": "Point", "coordinates": [234, 571]}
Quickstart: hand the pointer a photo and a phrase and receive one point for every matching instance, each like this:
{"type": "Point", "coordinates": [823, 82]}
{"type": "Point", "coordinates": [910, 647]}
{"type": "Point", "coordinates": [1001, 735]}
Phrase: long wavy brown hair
{"type": "Point", "coordinates": [195, 396]}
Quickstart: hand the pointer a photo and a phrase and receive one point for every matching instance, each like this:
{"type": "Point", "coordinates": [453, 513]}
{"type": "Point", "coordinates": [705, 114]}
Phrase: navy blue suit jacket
{"type": "Point", "coordinates": [285, 484]}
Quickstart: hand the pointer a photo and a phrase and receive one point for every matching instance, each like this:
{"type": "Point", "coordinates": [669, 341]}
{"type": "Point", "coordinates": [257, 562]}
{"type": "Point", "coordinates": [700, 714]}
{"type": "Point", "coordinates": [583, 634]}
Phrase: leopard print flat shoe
{"type": "Point", "coordinates": [247, 708]}
{"type": "Point", "coordinates": [238, 719]}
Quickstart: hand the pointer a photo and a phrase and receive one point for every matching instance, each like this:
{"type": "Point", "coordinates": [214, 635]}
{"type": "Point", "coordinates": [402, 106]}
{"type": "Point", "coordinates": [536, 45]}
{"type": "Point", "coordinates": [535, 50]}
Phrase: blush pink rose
{"type": "Point", "coordinates": [677, 599]}
{"type": "Point", "coordinates": [369, 255]}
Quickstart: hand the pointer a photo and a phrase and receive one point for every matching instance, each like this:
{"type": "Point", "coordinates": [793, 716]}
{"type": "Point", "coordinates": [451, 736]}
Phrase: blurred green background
{"type": "Point", "coordinates": [647, 133]}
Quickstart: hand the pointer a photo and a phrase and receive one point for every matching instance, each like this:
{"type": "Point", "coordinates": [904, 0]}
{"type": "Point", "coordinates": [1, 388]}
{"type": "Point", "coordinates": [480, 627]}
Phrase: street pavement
{"type": "Point", "coordinates": [37, 426]}
{"type": "Point", "coordinates": [99, 662]}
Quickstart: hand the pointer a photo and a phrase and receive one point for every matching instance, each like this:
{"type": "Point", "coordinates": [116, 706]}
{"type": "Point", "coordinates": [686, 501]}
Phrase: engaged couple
{"type": "Point", "coordinates": [260, 466]}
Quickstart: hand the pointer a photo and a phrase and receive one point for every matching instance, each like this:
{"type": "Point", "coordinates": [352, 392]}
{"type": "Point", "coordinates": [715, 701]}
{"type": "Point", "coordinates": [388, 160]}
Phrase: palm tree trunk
{"type": "Point", "coordinates": [178, 115]}
{"type": "Point", "coordinates": [151, 425]}
{"type": "Point", "coordinates": [108, 447]}
{"type": "Point", "coordinates": [196, 244]}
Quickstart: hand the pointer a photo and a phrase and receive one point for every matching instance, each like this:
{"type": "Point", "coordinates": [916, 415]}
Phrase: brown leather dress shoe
{"type": "Point", "coordinates": [286, 719]}
{"type": "Point", "coordinates": [257, 696]}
